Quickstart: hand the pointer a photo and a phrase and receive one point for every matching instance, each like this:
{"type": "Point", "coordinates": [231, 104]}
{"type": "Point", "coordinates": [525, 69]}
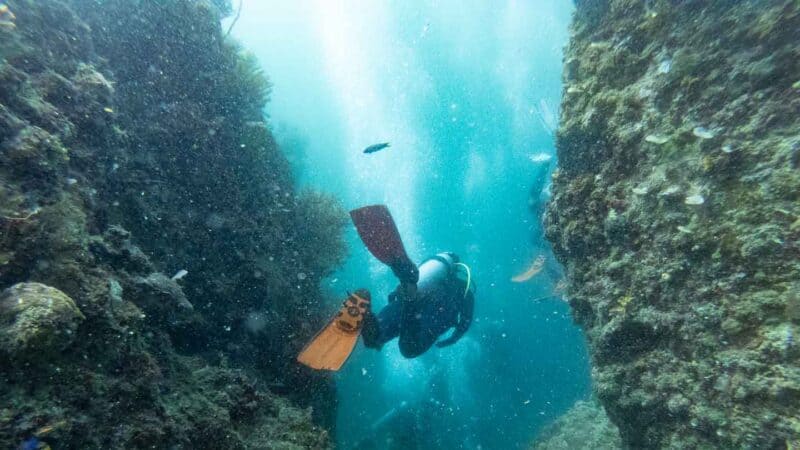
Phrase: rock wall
{"type": "Point", "coordinates": [584, 427]}
{"type": "Point", "coordinates": [133, 147]}
{"type": "Point", "coordinates": [676, 212]}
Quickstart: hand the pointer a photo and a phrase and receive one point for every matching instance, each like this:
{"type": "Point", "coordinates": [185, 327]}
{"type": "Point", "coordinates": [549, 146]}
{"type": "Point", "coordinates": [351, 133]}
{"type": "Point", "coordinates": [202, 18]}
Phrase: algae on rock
{"type": "Point", "coordinates": [132, 146]}
{"type": "Point", "coordinates": [584, 427]}
{"type": "Point", "coordinates": [36, 320]}
{"type": "Point", "coordinates": [673, 211]}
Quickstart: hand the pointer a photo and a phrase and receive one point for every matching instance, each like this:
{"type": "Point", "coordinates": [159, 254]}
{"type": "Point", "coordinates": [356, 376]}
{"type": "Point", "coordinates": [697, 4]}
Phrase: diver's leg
{"type": "Point", "coordinates": [419, 328]}
{"type": "Point", "coordinates": [383, 327]}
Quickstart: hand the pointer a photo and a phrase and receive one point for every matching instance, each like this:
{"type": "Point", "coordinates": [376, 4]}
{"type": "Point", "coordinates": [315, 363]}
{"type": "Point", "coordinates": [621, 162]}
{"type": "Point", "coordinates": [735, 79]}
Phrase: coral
{"type": "Point", "coordinates": [321, 220]}
{"type": "Point", "coordinates": [160, 296]}
{"type": "Point", "coordinates": [232, 411]}
{"type": "Point", "coordinates": [584, 427]}
{"type": "Point", "coordinates": [133, 145]}
{"type": "Point", "coordinates": [38, 321]}
{"type": "Point", "coordinates": [672, 211]}
{"type": "Point", "coordinates": [255, 86]}
{"type": "Point", "coordinates": [622, 305]}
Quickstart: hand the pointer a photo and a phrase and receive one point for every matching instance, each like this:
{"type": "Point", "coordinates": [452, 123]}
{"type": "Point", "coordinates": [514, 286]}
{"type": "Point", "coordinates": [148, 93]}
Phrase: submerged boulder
{"type": "Point", "coordinates": [36, 319]}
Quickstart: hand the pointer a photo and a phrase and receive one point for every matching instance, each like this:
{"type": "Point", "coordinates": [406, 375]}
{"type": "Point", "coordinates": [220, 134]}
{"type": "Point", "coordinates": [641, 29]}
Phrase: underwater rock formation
{"type": "Point", "coordinates": [133, 146]}
{"type": "Point", "coordinates": [584, 427]}
{"type": "Point", "coordinates": [36, 320]}
{"type": "Point", "coordinates": [676, 212]}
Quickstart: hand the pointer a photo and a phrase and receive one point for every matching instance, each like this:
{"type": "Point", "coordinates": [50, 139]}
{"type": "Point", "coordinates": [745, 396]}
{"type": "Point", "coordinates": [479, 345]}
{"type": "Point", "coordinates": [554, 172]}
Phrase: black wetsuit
{"type": "Point", "coordinates": [441, 302]}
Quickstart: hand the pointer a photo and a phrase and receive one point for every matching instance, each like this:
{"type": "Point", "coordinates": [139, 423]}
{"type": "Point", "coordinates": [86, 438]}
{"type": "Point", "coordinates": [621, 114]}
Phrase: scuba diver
{"type": "Point", "coordinates": [428, 302]}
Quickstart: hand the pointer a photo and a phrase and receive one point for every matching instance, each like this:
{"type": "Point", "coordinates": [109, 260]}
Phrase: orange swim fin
{"type": "Point", "coordinates": [331, 347]}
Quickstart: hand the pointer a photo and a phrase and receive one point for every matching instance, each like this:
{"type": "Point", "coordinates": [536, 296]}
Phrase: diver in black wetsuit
{"type": "Point", "coordinates": [429, 301]}
{"type": "Point", "coordinates": [424, 306]}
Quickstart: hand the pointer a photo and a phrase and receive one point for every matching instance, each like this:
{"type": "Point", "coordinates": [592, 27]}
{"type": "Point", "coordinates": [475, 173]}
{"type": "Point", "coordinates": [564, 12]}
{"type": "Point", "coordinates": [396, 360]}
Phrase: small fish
{"type": "Point", "coordinates": [535, 268]}
{"type": "Point", "coordinates": [703, 133]}
{"type": "Point", "coordinates": [669, 191]}
{"type": "Point", "coordinates": [540, 157]}
{"type": "Point", "coordinates": [376, 147]}
{"type": "Point", "coordinates": [656, 139]}
{"type": "Point", "coordinates": [180, 274]}
{"type": "Point", "coordinates": [47, 429]}
{"type": "Point", "coordinates": [695, 199]}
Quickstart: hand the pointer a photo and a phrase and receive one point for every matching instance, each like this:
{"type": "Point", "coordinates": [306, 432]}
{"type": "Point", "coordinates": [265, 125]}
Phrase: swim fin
{"type": "Point", "coordinates": [378, 231]}
{"type": "Point", "coordinates": [331, 347]}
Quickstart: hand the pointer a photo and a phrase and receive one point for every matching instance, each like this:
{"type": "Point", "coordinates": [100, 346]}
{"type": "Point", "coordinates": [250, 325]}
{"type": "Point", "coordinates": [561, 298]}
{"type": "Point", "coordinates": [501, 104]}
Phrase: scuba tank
{"type": "Point", "coordinates": [437, 275]}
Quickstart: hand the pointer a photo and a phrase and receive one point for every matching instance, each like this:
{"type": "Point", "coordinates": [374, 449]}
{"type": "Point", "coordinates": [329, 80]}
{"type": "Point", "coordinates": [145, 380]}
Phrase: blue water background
{"type": "Point", "coordinates": [466, 93]}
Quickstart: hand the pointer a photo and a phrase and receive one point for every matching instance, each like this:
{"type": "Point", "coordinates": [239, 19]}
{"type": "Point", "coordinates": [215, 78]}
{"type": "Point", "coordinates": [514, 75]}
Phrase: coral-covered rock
{"type": "Point", "coordinates": [36, 321]}
{"type": "Point", "coordinates": [162, 299]}
{"type": "Point", "coordinates": [584, 427]}
{"type": "Point", "coordinates": [675, 213]}
{"type": "Point", "coordinates": [133, 146]}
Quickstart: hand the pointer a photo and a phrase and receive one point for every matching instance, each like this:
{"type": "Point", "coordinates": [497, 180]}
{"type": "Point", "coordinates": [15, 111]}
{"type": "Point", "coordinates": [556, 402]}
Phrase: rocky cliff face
{"type": "Point", "coordinates": [584, 427]}
{"type": "Point", "coordinates": [133, 148]}
{"type": "Point", "coordinates": [676, 212]}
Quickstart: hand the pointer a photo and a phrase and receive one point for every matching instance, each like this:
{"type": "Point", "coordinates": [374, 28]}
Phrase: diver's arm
{"type": "Point", "coordinates": [464, 321]}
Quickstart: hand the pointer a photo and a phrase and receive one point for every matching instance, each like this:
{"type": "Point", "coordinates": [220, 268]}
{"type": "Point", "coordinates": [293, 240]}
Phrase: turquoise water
{"type": "Point", "coordinates": [174, 230]}
{"type": "Point", "coordinates": [468, 96]}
